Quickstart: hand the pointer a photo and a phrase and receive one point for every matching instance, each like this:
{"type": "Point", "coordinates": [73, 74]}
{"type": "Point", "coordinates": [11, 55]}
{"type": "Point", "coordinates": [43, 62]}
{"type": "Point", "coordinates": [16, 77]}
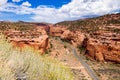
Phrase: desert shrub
{"type": "Point", "coordinates": [28, 64]}
{"type": "Point", "coordinates": [116, 30]}
{"type": "Point", "coordinates": [81, 49]}
{"type": "Point", "coordinates": [65, 46]}
{"type": "Point", "coordinates": [16, 26]}
{"type": "Point", "coordinates": [113, 21]}
{"type": "Point", "coordinates": [51, 45]}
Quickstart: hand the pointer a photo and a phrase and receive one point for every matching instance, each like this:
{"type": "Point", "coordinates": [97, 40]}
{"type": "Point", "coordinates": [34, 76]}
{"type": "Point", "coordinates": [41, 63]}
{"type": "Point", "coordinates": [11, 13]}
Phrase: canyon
{"type": "Point", "coordinates": [98, 38]}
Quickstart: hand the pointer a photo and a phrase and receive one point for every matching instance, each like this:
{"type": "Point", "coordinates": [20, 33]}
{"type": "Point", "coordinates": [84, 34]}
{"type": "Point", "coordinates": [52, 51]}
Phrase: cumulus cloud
{"type": "Point", "coordinates": [87, 7]}
{"type": "Point", "coordinates": [16, 0]}
{"type": "Point", "coordinates": [75, 9]}
{"type": "Point", "coordinates": [26, 4]}
{"type": "Point", "coordinates": [22, 9]}
{"type": "Point", "coordinates": [2, 2]}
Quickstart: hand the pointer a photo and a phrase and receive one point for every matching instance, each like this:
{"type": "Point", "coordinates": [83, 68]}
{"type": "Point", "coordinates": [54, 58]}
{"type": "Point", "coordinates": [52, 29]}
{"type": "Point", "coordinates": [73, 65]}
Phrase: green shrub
{"type": "Point", "coordinates": [14, 62]}
{"type": "Point", "coordinates": [65, 46]}
{"type": "Point", "coordinates": [116, 30]}
{"type": "Point", "coordinates": [82, 49]}
{"type": "Point", "coordinates": [16, 26]}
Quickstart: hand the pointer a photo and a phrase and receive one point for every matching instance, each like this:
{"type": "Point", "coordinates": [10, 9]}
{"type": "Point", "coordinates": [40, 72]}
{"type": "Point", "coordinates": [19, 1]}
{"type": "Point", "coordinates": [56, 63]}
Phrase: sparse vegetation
{"type": "Point", "coordinates": [15, 25]}
{"type": "Point", "coordinates": [28, 64]}
{"type": "Point", "coordinates": [93, 24]}
{"type": "Point", "coordinates": [116, 30]}
{"type": "Point", "coordinates": [82, 50]}
{"type": "Point", "coordinates": [113, 21]}
{"type": "Point", "coordinates": [65, 46]}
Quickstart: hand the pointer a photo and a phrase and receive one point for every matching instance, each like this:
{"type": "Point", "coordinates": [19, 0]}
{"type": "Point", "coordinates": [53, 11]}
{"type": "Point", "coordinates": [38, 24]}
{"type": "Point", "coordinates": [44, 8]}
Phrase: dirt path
{"type": "Point", "coordinates": [63, 52]}
{"type": "Point", "coordinates": [86, 66]}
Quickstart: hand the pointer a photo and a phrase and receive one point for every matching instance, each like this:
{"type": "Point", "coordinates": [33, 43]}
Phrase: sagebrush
{"type": "Point", "coordinates": [29, 64]}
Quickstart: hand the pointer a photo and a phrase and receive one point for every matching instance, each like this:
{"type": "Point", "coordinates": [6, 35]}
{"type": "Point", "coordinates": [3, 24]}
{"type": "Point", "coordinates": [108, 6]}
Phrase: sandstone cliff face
{"type": "Point", "coordinates": [106, 47]}
{"type": "Point", "coordinates": [103, 36]}
{"type": "Point", "coordinates": [41, 43]}
{"type": "Point", "coordinates": [101, 45]}
{"type": "Point", "coordinates": [37, 39]}
{"type": "Point", "coordinates": [74, 37]}
{"type": "Point", "coordinates": [42, 30]}
{"type": "Point", "coordinates": [56, 31]}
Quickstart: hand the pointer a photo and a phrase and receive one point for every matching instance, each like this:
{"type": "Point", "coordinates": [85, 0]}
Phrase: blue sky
{"type": "Point", "coordinates": [35, 3]}
{"type": "Point", "coordinates": [53, 11]}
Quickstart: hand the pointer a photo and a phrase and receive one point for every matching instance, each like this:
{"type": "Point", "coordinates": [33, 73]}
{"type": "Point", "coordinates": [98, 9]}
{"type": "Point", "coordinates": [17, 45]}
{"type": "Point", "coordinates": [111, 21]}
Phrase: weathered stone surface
{"type": "Point", "coordinates": [41, 43]}
{"type": "Point", "coordinates": [41, 30]}
{"type": "Point", "coordinates": [57, 31]}
{"type": "Point", "coordinates": [103, 51]}
{"type": "Point", "coordinates": [75, 37]}
{"type": "Point", "coordinates": [78, 38]}
{"type": "Point", "coordinates": [67, 34]}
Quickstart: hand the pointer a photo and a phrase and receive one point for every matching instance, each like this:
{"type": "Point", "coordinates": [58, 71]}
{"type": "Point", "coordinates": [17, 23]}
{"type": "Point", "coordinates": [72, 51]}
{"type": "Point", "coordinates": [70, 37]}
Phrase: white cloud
{"type": "Point", "coordinates": [77, 9]}
{"type": "Point", "coordinates": [96, 7]}
{"type": "Point", "coordinates": [26, 4]}
{"type": "Point", "coordinates": [16, 0]}
{"type": "Point", "coordinates": [21, 10]}
{"type": "Point", "coordinates": [2, 2]}
{"type": "Point", "coordinates": [73, 10]}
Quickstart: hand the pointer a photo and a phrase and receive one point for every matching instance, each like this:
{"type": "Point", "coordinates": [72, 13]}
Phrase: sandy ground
{"type": "Point", "coordinates": [63, 53]}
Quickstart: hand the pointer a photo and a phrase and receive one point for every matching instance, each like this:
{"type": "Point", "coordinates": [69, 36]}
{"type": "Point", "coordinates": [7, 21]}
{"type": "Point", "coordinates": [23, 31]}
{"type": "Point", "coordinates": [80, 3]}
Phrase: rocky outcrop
{"type": "Point", "coordinates": [100, 45]}
{"type": "Point", "coordinates": [94, 49]}
{"type": "Point", "coordinates": [57, 31]}
{"type": "Point", "coordinates": [41, 43]}
{"type": "Point", "coordinates": [106, 47]}
{"type": "Point", "coordinates": [67, 34]}
{"type": "Point", "coordinates": [42, 30]}
{"type": "Point", "coordinates": [100, 37]}
{"type": "Point", "coordinates": [74, 37]}
{"type": "Point", "coordinates": [37, 38]}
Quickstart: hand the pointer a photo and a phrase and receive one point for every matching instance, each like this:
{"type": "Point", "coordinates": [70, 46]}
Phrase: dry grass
{"type": "Point", "coordinates": [28, 64]}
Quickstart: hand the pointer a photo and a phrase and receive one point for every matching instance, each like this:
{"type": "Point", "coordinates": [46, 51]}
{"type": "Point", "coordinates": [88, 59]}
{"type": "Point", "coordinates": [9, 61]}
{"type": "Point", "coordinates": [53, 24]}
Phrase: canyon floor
{"type": "Point", "coordinates": [62, 51]}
